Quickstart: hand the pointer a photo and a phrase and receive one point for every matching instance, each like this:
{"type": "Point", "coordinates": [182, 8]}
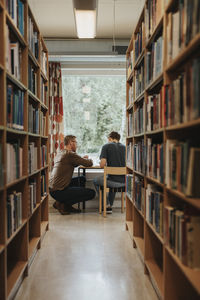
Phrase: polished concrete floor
{"type": "Point", "coordinates": [87, 257]}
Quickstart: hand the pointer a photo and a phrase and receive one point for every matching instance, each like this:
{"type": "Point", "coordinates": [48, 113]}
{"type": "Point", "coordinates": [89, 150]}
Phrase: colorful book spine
{"type": "Point", "coordinates": [14, 212]}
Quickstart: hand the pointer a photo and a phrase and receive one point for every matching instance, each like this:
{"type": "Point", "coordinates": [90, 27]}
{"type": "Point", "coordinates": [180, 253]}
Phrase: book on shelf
{"type": "Point", "coordinates": [43, 184]}
{"type": "Point", "coordinates": [139, 81]}
{"type": "Point", "coordinates": [15, 107]}
{"type": "Point", "coordinates": [154, 60]}
{"type": "Point", "coordinates": [154, 208]}
{"type": "Point", "coordinates": [42, 124]}
{"type": "Point", "coordinates": [193, 185]}
{"type": "Point", "coordinates": [130, 124]}
{"type": "Point", "coordinates": [32, 79]}
{"type": "Point", "coordinates": [139, 41]}
{"type": "Point", "coordinates": [43, 61]}
{"type": "Point", "coordinates": [130, 94]}
{"type": "Point", "coordinates": [13, 55]}
{"type": "Point", "coordinates": [153, 13]}
{"type": "Point", "coordinates": [32, 157]}
{"type": "Point", "coordinates": [129, 185]}
{"type": "Point", "coordinates": [32, 195]}
{"type": "Point", "coordinates": [14, 161]}
{"type": "Point", "coordinates": [139, 192]}
{"type": "Point", "coordinates": [43, 94]}
{"type": "Point", "coordinates": [15, 9]}
{"type": "Point", "coordinates": [14, 212]}
{"type": "Point", "coordinates": [182, 26]}
{"type": "Point", "coordinates": [129, 155]}
{"type": "Point", "coordinates": [139, 118]}
{"type": "Point", "coordinates": [139, 156]}
{"type": "Point", "coordinates": [43, 155]}
{"type": "Point", "coordinates": [155, 160]}
{"type": "Point", "coordinates": [154, 111]}
{"type": "Point", "coordinates": [33, 38]}
{"type": "Point", "coordinates": [181, 234]}
{"type": "Point", "coordinates": [129, 63]}
{"type": "Point", "coordinates": [182, 167]}
{"type": "Point", "coordinates": [33, 119]}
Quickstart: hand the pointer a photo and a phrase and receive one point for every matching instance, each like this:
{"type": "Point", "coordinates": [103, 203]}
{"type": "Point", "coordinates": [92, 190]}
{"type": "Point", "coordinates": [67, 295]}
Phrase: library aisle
{"type": "Point", "coordinates": [85, 257]}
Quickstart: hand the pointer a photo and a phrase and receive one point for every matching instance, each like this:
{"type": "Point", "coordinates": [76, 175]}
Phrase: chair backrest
{"type": "Point", "coordinates": [113, 171]}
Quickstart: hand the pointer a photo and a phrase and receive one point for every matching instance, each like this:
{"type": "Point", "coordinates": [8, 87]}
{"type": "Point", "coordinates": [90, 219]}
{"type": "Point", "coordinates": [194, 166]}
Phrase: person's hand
{"type": "Point", "coordinates": [86, 156]}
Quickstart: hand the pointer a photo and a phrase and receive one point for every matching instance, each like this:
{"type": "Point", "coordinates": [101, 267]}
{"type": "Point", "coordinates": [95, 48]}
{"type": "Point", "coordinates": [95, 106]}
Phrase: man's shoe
{"type": "Point", "coordinates": [61, 208]}
{"type": "Point", "coordinates": [109, 210]}
{"type": "Point", "coordinates": [56, 204]}
{"type": "Point", "coordinates": [72, 209]}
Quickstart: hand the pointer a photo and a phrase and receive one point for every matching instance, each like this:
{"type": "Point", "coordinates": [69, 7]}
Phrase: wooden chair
{"type": "Point", "coordinates": [105, 189]}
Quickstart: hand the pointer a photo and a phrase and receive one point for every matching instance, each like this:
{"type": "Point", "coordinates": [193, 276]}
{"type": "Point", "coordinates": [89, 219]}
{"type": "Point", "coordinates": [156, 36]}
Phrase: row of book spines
{"type": "Point", "coordinates": [153, 13]}
{"type": "Point", "coordinates": [154, 60]}
{"type": "Point", "coordinates": [33, 38]}
{"type": "Point", "coordinates": [182, 26]}
{"type": "Point", "coordinates": [44, 92]}
{"type": "Point", "coordinates": [139, 80]}
{"type": "Point", "coordinates": [129, 62]}
{"type": "Point", "coordinates": [181, 234]}
{"type": "Point", "coordinates": [15, 9]}
{"type": "Point", "coordinates": [43, 156]}
{"type": "Point", "coordinates": [139, 119]}
{"type": "Point", "coordinates": [14, 161]}
{"type": "Point", "coordinates": [177, 102]}
{"type": "Point", "coordinates": [139, 193]}
{"type": "Point", "coordinates": [14, 212]}
{"type": "Point", "coordinates": [139, 41]}
{"type": "Point", "coordinates": [129, 185]}
{"type": "Point", "coordinates": [139, 156]}
{"type": "Point", "coordinates": [32, 79]}
{"type": "Point", "coordinates": [129, 154]}
{"type": "Point", "coordinates": [44, 62]}
{"type": "Point", "coordinates": [182, 102]}
{"type": "Point", "coordinates": [155, 160]}
{"type": "Point", "coordinates": [32, 196]}
{"type": "Point", "coordinates": [13, 56]}
{"type": "Point", "coordinates": [33, 157]}
{"type": "Point", "coordinates": [154, 115]}
{"type": "Point", "coordinates": [154, 208]}
{"type": "Point", "coordinates": [43, 184]}
{"type": "Point", "coordinates": [182, 172]}
{"type": "Point", "coordinates": [130, 125]}
{"type": "Point", "coordinates": [15, 107]}
{"type": "Point", "coordinates": [36, 121]}
{"type": "Point", "coordinates": [130, 94]}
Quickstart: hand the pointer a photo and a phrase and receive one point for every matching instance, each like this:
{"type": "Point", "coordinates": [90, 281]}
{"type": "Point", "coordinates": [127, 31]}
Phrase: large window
{"type": "Point", "coordinates": [93, 106]}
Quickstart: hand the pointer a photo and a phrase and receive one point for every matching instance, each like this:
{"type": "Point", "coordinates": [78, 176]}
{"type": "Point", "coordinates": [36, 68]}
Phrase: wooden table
{"type": "Point", "coordinates": [84, 174]}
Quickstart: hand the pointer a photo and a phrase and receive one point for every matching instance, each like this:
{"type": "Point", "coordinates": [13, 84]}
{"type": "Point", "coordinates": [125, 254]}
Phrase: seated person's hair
{"type": "Point", "coordinates": [114, 135]}
{"type": "Point", "coordinates": [68, 139]}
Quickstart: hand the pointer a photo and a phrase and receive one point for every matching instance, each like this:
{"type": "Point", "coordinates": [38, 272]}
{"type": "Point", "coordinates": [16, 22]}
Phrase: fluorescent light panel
{"type": "Point", "coordinates": [85, 23]}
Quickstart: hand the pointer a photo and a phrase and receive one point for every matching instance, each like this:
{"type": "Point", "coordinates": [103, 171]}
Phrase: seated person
{"type": "Point", "coordinates": [63, 188]}
{"type": "Point", "coordinates": [113, 155]}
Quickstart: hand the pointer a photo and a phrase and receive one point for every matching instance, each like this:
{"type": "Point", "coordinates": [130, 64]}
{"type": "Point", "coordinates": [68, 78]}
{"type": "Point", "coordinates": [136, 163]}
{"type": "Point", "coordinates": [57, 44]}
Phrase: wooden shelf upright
{"type": "Point", "coordinates": [163, 123]}
{"type": "Point", "coordinates": [23, 143]}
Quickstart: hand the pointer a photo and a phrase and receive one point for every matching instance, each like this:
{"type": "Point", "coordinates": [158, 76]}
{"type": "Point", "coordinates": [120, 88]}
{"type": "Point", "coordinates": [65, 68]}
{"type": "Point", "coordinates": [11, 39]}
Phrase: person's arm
{"type": "Point", "coordinates": [78, 160]}
{"type": "Point", "coordinates": [103, 163]}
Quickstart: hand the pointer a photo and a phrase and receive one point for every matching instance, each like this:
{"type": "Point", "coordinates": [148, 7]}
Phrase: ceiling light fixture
{"type": "Point", "coordinates": [85, 16]}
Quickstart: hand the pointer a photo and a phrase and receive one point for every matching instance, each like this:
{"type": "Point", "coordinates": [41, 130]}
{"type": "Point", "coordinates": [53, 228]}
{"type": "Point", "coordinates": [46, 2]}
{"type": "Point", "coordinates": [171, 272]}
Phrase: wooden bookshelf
{"type": "Point", "coordinates": [171, 125]}
{"type": "Point", "coordinates": [20, 182]}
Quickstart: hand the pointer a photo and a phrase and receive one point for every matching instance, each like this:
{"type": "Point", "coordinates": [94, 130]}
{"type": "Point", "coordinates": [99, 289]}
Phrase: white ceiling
{"type": "Point", "coordinates": [55, 18]}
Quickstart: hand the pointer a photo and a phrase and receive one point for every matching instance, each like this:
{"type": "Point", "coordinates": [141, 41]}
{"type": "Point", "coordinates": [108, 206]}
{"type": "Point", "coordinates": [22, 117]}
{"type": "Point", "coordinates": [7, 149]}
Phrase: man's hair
{"type": "Point", "coordinates": [114, 135]}
{"type": "Point", "coordinates": [68, 139]}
